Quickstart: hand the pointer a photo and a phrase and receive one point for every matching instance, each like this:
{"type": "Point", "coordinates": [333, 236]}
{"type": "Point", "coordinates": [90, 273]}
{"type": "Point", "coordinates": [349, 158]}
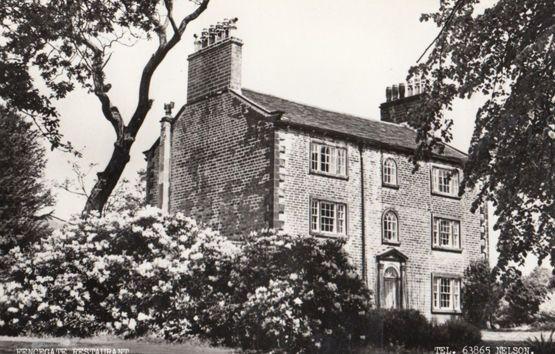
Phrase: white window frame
{"type": "Point", "coordinates": [328, 159]}
{"type": "Point", "coordinates": [444, 227]}
{"type": "Point", "coordinates": [389, 172]}
{"type": "Point", "coordinates": [446, 301]}
{"type": "Point", "coordinates": [320, 217]}
{"type": "Point", "coordinates": [386, 228]}
{"type": "Point", "coordinates": [445, 181]}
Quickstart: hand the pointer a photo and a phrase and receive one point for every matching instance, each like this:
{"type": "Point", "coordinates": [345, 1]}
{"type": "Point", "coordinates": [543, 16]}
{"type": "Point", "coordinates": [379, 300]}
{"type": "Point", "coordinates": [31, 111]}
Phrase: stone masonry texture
{"type": "Point", "coordinates": [220, 165]}
{"type": "Point", "coordinates": [412, 201]}
{"type": "Point", "coordinates": [397, 111]}
{"type": "Point", "coordinates": [214, 68]}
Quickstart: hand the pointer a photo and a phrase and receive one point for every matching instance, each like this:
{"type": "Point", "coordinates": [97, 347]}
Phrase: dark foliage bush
{"type": "Point", "coordinates": [523, 298]}
{"type": "Point", "coordinates": [480, 294]}
{"type": "Point", "coordinates": [455, 334]}
{"type": "Point", "coordinates": [24, 196]}
{"type": "Point", "coordinates": [407, 328]}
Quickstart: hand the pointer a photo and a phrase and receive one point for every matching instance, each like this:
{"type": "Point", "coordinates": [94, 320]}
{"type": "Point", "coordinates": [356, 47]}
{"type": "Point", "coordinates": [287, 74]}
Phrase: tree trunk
{"type": "Point", "coordinates": [108, 179]}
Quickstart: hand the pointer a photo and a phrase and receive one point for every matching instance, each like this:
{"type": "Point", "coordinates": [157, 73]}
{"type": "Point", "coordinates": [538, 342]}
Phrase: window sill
{"type": "Point", "coordinates": [446, 249]}
{"type": "Point", "coordinates": [391, 243]}
{"type": "Point", "coordinates": [446, 312]}
{"type": "Point", "coordinates": [450, 196]}
{"type": "Point", "coordinates": [392, 186]}
{"type": "Point", "coordinates": [331, 175]}
{"type": "Point", "coordinates": [327, 235]}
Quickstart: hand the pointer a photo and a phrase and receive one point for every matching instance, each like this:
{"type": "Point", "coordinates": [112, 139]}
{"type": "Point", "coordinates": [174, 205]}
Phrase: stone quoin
{"type": "Point", "coordinates": [239, 161]}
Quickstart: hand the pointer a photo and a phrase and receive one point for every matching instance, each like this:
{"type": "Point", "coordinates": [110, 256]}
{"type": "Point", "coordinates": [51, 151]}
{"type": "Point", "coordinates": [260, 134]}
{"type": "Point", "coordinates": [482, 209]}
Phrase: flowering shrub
{"type": "Point", "coordinates": [121, 273]}
{"type": "Point", "coordinates": [290, 292]}
{"type": "Point", "coordinates": [131, 273]}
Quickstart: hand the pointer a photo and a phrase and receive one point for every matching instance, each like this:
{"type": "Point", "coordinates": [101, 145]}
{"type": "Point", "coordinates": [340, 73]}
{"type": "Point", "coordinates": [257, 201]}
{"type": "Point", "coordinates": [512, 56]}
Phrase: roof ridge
{"type": "Point", "coordinates": [311, 105]}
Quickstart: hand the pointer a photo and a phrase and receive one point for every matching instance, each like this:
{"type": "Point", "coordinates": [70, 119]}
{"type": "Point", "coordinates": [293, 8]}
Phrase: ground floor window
{"type": "Point", "coordinates": [446, 293]}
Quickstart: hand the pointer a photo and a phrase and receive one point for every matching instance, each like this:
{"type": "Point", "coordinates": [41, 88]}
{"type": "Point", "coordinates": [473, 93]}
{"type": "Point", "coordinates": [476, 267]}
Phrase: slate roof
{"type": "Point", "coordinates": [372, 131]}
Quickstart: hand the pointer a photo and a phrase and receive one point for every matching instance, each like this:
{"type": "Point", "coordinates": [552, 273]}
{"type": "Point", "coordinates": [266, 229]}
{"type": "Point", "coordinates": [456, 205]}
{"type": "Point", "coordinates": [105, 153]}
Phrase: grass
{"type": "Point", "coordinates": [491, 339]}
{"type": "Point", "coordinates": [141, 346]}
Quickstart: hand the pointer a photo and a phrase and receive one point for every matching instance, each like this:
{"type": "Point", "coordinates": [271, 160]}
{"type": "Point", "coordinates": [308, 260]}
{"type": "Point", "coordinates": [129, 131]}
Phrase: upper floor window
{"type": "Point", "coordinates": [390, 172]}
{"type": "Point", "coordinates": [390, 227]}
{"type": "Point", "coordinates": [445, 181]}
{"type": "Point", "coordinates": [327, 217]}
{"type": "Point", "coordinates": [447, 293]}
{"type": "Point", "coordinates": [446, 233]}
{"type": "Point", "coordinates": [327, 159]}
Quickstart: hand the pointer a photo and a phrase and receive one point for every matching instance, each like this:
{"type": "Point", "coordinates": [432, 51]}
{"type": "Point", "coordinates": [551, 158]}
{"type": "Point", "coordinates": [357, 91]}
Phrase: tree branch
{"type": "Point", "coordinates": [192, 16]}
{"type": "Point", "coordinates": [457, 6]}
{"type": "Point", "coordinates": [169, 8]}
{"type": "Point", "coordinates": [111, 113]}
{"type": "Point", "coordinates": [144, 104]}
{"type": "Point", "coordinates": [160, 29]}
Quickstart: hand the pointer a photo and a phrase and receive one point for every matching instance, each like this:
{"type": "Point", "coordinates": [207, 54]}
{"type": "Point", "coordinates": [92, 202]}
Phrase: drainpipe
{"type": "Point", "coordinates": [363, 216]}
{"type": "Point", "coordinates": [164, 163]}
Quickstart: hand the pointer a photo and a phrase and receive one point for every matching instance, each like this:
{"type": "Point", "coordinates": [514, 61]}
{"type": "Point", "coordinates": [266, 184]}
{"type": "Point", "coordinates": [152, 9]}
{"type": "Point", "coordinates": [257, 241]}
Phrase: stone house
{"type": "Point", "coordinates": [239, 160]}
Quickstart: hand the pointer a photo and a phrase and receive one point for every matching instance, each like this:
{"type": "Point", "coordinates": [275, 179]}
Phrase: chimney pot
{"type": "Point", "coordinates": [198, 43]}
{"type": "Point", "coordinates": [395, 92]}
{"type": "Point", "coordinates": [219, 32]}
{"type": "Point", "coordinates": [401, 90]}
{"type": "Point", "coordinates": [388, 94]}
{"type": "Point", "coordinates": [204, 38]}
{"type": "Point", "coordinates": [211, 35]}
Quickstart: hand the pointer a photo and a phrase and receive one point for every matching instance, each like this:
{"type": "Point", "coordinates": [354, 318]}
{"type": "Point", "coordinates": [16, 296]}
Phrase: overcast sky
{"type": "Point", "coordinates": [338, 55]}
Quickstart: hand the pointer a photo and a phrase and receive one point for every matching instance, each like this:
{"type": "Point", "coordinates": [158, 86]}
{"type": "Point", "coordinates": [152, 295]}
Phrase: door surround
{"type": "Point", "coordinates": [391, 258]}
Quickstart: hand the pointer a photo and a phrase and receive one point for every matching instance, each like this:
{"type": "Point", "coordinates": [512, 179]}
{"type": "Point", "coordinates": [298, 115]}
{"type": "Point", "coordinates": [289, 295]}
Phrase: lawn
{"type": "Point", "coordinates": [9, 345]}
{"type": "Point", "coordinates": [512, 336]}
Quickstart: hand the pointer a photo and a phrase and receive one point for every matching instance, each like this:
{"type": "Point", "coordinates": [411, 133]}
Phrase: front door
{"type": "Point", "coordinates": [391, 282]}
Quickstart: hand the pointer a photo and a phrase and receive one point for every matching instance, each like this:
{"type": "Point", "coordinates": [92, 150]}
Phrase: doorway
{"type": "Point", "coordinates": [391, 282]}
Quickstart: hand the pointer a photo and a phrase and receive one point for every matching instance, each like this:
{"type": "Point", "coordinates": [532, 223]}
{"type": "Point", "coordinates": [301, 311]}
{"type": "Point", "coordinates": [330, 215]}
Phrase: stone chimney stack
{"type": "Point", "coordinates": [399, 99]}
{"type": "Point", "coordinates": [216, 63]}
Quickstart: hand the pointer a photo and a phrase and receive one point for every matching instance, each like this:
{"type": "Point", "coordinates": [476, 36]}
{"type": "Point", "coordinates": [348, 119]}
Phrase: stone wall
{"type": "Point", "coordinates": [297, 185]}
{"type": "Point", "coordinates": [152, 167]}
{"type": "Point", "coordinates": [221, 165]}
{"type": "Point", "coordinates": [412, 201]}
